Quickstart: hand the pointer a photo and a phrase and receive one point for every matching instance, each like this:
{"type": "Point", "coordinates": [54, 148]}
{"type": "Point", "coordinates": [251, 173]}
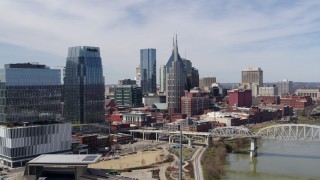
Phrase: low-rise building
{"type": "Point", "coordinates": [313, 93]}
{"type": "Point", "coordinates": [136, 118]}
{"type": "Point", "coordinates": [298, 102]}
{"type": "Point", "coordinates": [121, 138]}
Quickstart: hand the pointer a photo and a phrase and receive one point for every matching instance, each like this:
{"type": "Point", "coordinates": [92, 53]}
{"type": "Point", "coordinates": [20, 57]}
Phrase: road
{"type": "Point", "coordinates": [198, 174]}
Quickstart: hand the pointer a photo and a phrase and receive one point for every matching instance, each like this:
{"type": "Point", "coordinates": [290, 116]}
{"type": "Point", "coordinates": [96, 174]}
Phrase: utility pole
{"type": "Point", "coordinates": [180, 164]}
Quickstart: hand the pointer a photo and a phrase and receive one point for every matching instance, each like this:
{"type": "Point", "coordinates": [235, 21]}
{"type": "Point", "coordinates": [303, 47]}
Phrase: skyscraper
{"type": "Point", "coordinates": [206, 82]}
{"type": "Point", "coordinates": [192, 74]}
{"type": "Point", "coordinates": [176, 80]}
{"type": "Point", "coordinates": [138, 76]}
{"type": "Point", "coordinates": [148, 71]}
{"type": "Point", "coordinates": [252, 76]}
{"type": "Point", "coordinates": [285, 87]}
{"type": "Point", "coordinates": [162, 78]}
{"type": "Point", "coordinates": [84, 85]}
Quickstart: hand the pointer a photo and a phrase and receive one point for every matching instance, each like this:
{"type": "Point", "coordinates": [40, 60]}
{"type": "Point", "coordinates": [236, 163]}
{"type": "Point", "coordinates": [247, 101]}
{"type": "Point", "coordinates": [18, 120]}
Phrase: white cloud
{"type": "Point", "coordinates": [221, 37]}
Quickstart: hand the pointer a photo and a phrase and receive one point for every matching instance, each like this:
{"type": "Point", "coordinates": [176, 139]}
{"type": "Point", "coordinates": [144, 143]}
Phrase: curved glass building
{"type": "Point", "coordinates": [84, 85]}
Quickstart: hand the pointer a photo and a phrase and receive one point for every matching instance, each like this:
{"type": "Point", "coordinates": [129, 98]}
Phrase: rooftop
{"type": "Point", "coordinates": [66, 159]}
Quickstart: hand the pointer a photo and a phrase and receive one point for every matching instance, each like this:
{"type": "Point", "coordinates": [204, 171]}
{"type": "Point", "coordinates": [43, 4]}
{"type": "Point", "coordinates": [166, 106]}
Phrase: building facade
{"type": "Point", "coordinates": [268, 91]}
{"type": "Point", "coordinates": [30, 106]}
{"type": "Point", "coordinates": [285, 87]}
{"type": "Point", "coordinates": [206, 82]}
{"type": "Point", "coordinates": [240, 98]}
{"type": "Point", "coordinates": [297, 102]}
{"type": "Point", "coordinates": [192, 75]}
{"type": "Point", "coordinates": [128, 96]}
{"type": "Point", "coordinates": [148, 70]}
{"type": "Point", "coordinates": [313, 93]}
{"type": "Point", "coordinates": [138, 76]}
{"type": "Point", "coordinates": [84, 85]}
{"type": "Point", "coordinates": [29, 93]}
{"type": "Point", "coordinates": [127, 82]}
{"type": "Point", "coordinates": [162, 78]}
{"type": "Point", "coordinates": [176, 80]}
{"type": "Point", "coordinates": [252, 76]}
{"type": "Point", "coordinates": [20, 144]}
{"type": "Point", "coordinates": [194, 104]}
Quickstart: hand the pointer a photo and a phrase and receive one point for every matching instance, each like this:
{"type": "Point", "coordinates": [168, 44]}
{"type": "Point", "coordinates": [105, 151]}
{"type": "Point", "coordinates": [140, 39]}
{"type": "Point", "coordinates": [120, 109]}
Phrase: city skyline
{"type": "Point", "coordinates": [220, 37]}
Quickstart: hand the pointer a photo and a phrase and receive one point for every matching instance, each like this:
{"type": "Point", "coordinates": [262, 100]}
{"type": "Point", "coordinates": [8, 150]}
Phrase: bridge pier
{"type": "Point", "coordinates": [189, 142]}
{"type": "Point", "coordinates": [253, 147]}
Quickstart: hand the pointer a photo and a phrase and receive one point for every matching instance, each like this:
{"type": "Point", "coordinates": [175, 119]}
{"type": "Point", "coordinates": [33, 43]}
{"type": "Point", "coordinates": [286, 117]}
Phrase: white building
{"type": "Point", "coordinates": [20, 144]}
{"type": "Point", "coordinates": [268, 91]}
{"type": "Point", "coordinates": [313, 93]}
{"type": "Point", "coordinates": [285, 87]}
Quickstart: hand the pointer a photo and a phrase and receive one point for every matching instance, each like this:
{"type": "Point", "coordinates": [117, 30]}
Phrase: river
{"type": "Point", "coordinates": [277, 159]}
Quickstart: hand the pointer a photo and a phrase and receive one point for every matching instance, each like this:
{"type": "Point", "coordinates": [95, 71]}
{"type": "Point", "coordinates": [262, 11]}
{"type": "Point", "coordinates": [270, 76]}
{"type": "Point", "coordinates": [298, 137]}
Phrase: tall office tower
{"type": "Point", "coordinates": [84, 86]}
{"type": "Point", "coordinates": [206, 82]}
{"type": "Point", "coordinates": [176, 80]}
{"type": "Point", "coordinates": [192, 74]}
{"type": "Point", "coordinates": [162, 78]}
{"type": "Point", "coordinates": [252, 76]}
{"type": "Point", "coordinates": [138, 76]}
{"type": "Point", "coordinates": [285, 87]}
{"type": "Point", "coordinates": [31, 110]}
{"type": "Point", "coordinates": [148, 71]}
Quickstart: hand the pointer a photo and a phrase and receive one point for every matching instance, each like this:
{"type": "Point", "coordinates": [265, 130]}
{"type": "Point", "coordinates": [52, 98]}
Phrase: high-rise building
{"type": "Point", "coordinates": [207, 81]}
{"type": "Point", "coordinates": [162, 78]}
{"type": "Point", "coordinates": [31, 113]}
{"type": "Point", "coordinates": [128, 96]}
{"type": "Point", "coordinates": [29, 92]}
{"type": "Point", "coordinates": [176, 80]}
{"type": "Point", "coordinates": [285, 87]}
{"type": "Point", "coordinates": [138, 76]}
{"type": "Point", "coordinates": [148, 71]}
{"type": "Point", "coordinates": [195, 78]}
{"type": "Point", "coordinates": [192, 74]}
{"type": "Point", "coordinates": [252, 76]}
{"type": "Point", "coordinates": [84, 85]}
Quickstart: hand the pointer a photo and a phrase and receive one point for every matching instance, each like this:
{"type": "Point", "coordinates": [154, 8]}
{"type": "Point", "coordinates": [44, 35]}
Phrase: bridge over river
{"type": "Point", "coordinates": [303, 132]}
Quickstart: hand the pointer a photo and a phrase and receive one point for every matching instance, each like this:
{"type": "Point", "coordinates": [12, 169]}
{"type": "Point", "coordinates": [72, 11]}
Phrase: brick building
{"type": "Point", "coordinates": [269, 99]}
{"type": "Point", "coordinates": [194, 104]}
{"type": "Point", "coordinates": [298, 102]}
{"type": "Point", "coordinates": [240, 98]}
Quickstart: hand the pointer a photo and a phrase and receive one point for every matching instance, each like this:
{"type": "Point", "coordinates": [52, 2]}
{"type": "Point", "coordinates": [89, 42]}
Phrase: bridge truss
{"type": "Point", "coordinates": [291, 132]}
{"type": "Point", "coordinates": [232, 131]}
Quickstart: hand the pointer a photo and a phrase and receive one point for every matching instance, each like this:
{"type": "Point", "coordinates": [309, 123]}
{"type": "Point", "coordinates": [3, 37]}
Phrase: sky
{"type": "Point", "coordinates": [220, 37]}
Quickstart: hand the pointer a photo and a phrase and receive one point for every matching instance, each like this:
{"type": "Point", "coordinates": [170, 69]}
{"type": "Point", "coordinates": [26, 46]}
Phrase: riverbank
{"type": "Point", "coordinates": [214, 158]}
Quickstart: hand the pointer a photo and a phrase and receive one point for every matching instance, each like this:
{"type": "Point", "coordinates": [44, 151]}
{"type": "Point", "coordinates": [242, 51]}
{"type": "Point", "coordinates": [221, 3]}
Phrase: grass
{"type": "Point", "coordinates": [186, 152]}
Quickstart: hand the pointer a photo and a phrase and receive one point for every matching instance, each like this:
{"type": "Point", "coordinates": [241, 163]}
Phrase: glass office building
{"type": "Point", "coordinates": [148, 70]}
{"type": "Point", "coordinates": [84, 85]}
{"type": "Point", "coordinates": [29, 92]}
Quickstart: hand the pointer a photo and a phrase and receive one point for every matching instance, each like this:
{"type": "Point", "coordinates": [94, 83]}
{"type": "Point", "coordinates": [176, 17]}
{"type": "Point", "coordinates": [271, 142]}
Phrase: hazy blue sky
{"type": "Point", "coordinates": [219, 37]}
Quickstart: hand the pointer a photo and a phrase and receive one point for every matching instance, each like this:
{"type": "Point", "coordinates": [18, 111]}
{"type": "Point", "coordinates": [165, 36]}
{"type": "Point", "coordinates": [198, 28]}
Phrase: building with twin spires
{"type": "Point", "coordinates": [175, 80]}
